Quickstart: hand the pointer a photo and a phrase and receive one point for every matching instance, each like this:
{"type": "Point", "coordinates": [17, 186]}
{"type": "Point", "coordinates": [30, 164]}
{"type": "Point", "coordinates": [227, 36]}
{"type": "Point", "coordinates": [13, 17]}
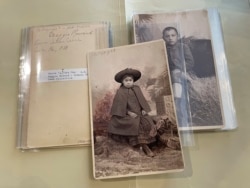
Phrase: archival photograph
{"type": "Point", "coordinates": [191, 61]}
{"type": "Point", "coordinates": [134, 124]}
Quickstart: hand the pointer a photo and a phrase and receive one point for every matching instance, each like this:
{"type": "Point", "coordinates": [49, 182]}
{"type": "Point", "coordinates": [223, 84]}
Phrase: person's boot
{"type": "Point", "coordinates": [147, 150]}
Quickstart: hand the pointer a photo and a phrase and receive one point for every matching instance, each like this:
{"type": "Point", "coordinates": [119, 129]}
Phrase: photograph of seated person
{"type": "Point", "coordinates": [130, 121]}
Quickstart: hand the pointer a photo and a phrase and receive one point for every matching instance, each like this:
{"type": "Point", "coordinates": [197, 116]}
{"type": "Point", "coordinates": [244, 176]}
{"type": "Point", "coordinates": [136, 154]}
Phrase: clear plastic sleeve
{"type": "Point", "coordinates": [53, 95]}
{"type": "Point", "coordinates": [230, 120]}
{"type": "Point", "coordinates": [207, 83]}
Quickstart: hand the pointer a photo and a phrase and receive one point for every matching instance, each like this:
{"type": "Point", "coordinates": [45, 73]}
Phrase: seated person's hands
{"type": "Point", "coordinates": [132, 114]}
{"type": "Point", "coordinates": [158, 91]}
{"type": "Point", "coordinates": [143, 112]}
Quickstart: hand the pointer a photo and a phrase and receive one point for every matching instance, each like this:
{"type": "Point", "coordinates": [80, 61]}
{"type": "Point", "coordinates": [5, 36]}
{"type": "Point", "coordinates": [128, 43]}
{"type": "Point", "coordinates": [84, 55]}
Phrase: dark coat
{"type": "Point", "coordinates": [121, 123]}
{"type": "Point", "coordinates": [178, 55]}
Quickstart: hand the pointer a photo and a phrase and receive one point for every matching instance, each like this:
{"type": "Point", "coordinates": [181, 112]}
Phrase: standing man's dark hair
{"type": "Point", "coordinates": [170, 28]}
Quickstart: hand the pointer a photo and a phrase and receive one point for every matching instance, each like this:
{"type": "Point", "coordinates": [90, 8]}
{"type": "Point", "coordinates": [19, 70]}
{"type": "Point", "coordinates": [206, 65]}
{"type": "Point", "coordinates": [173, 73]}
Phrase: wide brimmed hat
{"type": "Point", "coordinates": [128, 71]}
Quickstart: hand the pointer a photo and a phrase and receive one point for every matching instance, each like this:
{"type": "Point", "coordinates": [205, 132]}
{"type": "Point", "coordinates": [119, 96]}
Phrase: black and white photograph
{"type": "Point", "coordinates": [191, 61]}
{"type": "Point", "coordinates": [134, 126]}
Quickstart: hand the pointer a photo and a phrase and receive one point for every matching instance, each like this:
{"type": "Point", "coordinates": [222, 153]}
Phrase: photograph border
{"type": "Point", "coordinates": [92, 122]}
{"type": "Point", "coordinates": [215, 58]}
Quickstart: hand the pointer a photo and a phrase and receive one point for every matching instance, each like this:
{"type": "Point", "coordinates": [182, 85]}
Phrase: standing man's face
{"type": "Point", "coordinates": [170, 37]}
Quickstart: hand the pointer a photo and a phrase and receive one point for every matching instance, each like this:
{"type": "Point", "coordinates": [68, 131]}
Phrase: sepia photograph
{"type": "Point", "coordinates": [191, 61]}
{"type": "Point", "coordinates": [134, 125]}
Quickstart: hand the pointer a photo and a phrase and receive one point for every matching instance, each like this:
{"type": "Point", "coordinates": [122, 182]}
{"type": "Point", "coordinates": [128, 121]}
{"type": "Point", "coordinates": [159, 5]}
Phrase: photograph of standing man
{"type": "Point", "coordinates": [181, 61]}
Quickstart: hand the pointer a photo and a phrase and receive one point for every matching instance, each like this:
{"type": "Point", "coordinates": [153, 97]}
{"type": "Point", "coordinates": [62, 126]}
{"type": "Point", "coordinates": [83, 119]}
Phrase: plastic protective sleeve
{"type": "Point", "coordinates": [230, 121]}
{"type": "Point", "coordinates": [225, 90]}
{"type": "Point", "coordinates": [24, 79]}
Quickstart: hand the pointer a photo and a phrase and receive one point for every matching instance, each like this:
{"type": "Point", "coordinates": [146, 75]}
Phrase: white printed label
{"type": "Point", "coordinates": [62, 75]}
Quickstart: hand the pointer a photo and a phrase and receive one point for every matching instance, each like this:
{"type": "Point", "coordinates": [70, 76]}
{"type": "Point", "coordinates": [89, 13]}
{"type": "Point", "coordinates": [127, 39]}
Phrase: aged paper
{"type": "Point", "coordinates": [130, 124]}
{"type": "Point", "coordinates": [58, 110]}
